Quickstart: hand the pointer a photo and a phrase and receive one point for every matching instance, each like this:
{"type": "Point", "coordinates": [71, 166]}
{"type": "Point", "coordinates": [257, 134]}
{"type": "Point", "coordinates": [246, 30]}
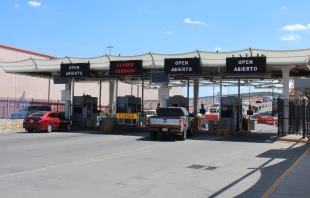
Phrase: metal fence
{"type": "Point", "coordinates": [298, 119]}
{"type": "Point", "coordinates": [9, 106]}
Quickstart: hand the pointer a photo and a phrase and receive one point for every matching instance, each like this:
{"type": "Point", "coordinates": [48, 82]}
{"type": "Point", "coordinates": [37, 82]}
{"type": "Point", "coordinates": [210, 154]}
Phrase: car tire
{"type": "Point", "coordinates": [68, 127]}
{"type": "Point", "coordinates": [49, 128]}
{"type": "Point", "coordinates": [29, 130]}
{"type": "Point", "coordinates": [183, 135]}
{"type": "Point", "coordinates": [153, 135]}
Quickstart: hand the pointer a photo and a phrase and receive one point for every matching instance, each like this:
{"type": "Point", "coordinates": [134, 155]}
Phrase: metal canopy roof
{"type": "Point", "coordinates": [211, 62]}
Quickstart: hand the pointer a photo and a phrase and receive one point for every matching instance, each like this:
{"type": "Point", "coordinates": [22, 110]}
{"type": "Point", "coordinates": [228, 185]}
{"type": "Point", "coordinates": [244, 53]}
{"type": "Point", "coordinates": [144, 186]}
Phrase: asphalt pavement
{"type": "Point", "coordinates": [90, 164]}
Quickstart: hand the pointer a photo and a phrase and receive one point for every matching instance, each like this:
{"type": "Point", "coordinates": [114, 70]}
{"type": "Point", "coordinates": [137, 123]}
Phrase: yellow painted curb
{"type": "Point", "coordinates": [284, 175]}
{"type": "Point", "coordinates": [290, 140]}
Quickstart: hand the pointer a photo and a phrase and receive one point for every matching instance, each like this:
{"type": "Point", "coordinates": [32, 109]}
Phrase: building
{"type": "Point", "coordinates": [12, 85]}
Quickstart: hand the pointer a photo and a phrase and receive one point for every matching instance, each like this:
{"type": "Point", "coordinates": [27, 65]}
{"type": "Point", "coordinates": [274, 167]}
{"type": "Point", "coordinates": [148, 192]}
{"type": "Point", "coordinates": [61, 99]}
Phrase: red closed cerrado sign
{"type": "Point", "coordinates": [125, 68]}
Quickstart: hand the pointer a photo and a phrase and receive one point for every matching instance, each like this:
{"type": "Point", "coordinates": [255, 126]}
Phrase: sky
{"type": "Point", "coordinates": [79, 28]}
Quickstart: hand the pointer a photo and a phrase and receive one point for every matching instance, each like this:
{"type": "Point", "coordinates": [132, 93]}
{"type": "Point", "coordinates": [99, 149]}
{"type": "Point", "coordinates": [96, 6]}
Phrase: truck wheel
{"type": "Point", "coordinates": [153, 135]}
{"type": "Point", "coordinates": [183, 136]}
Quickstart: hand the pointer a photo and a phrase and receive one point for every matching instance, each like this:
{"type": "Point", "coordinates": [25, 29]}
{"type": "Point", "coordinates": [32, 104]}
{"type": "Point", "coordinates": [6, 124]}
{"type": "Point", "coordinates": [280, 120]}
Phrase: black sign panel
{"type": "Point", "coordinates": [58, 80]}
{"type": "Point", "coordinates": [126, 68]}
{"type": "Point", "coordinates": [182, 66]}
{"type": "Point", "coordinates": [246, 65]}
{"type": "Point", "coordinates": [159, 77]}
{"type": "Point", "coordinates": [74, 70]}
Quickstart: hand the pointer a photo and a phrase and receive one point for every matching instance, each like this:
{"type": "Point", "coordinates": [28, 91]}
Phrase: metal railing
{"type": "Point", "coordinates": [298, 119]}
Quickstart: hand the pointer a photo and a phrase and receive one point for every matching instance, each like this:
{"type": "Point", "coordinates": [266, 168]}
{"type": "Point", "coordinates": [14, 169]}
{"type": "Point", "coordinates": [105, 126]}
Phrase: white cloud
{"type": "Point", "coordinates": [290, 37]}
{"type": "Point", "coordinates": [217, 49]}
{"type": "Point", "coordinates": [296, 27]}
{"type": "Point", "coordinates": [284, 8]}
{"type": "Point", "coordinates": [189, 21]}
{"type": "Point", "coordinates": [16, 5]}
{"type": "Point", "coordinates": [169, 32]}
{"type": "Point", "coordinates": [34, 3]}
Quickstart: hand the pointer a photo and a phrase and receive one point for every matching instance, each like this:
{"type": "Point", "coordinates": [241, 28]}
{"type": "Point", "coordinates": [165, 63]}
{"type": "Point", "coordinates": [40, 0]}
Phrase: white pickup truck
{"type": "Point", "coordinates": [172, 120]}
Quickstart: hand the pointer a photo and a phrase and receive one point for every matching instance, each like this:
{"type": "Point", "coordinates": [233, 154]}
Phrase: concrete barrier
{"type": "Point", "coordinates": [11, 125]}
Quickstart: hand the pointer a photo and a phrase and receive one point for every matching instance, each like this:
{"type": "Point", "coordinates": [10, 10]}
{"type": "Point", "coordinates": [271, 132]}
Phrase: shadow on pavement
{"type": "Point", "coordinates": [269, 173]}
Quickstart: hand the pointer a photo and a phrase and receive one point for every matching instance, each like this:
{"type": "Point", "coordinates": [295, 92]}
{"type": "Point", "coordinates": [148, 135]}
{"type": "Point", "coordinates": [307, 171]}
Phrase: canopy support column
{"type": "Point", "coordinates": [111, 96]}
{"type": "Point", "coordinates": [67, 102]}
{"type": "Point", "coordinates": [142, 98]}
{"type": "Point", "coordinates": [196, 96]}
{"type": "Point", "coordinates": [286, 81]}
{"type": "Point", "coordinates": [72, 95]}
{"type": "Point", "coordinates": [99, 102]}
{"type": "Point", "coordinates": [296, 91]}
{"type": "Point", "coordinates": [49, 92]}
{"type": "Point", "coordinates": [115, 98]}
{"type": "Point", "coordinates": [220, 96]}
{"type": "Point", "coordinates": [187, 106]}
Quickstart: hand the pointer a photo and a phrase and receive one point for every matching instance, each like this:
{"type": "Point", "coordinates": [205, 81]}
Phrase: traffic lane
{"type": "Point", "coordinates": [8, 139]}
{"type": "Point", "coordinates": [70, 148]}
{"type": "Point", "coordinates": [136, 167]}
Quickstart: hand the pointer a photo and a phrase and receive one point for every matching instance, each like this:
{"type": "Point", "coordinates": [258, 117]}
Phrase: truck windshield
{"type": "Point", "coordinates": [170, 112]}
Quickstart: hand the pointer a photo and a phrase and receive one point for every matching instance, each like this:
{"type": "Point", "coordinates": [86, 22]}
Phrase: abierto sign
{"type": "Point", "coordinates": [126, 68]}
{"type": "Point", "coordinates": [74, 70]}
{"type": "Point", "coordinates": [246, 65]}
{"type": "Point", "coordinates": [182, 66]}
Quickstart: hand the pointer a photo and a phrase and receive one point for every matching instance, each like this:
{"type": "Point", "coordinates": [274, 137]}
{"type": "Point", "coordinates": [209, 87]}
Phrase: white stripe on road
{"type": "Point", "coordinates": [85, 161]}
{"type": "Point", "coordinates": [62, 143]}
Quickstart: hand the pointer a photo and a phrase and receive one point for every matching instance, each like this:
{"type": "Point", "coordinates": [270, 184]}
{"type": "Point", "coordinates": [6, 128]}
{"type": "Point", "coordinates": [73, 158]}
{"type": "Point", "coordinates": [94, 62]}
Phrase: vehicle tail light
{"type": "Point", "coordinates": [24, 120]}
{"type": "Point", "coordinates": [39, 120]}
{"type": "Point", "coordinates": [180, 122]}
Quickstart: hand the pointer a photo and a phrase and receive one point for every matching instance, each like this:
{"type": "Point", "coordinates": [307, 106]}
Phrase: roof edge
{"type": "Point", "coordinates": [27, 51]}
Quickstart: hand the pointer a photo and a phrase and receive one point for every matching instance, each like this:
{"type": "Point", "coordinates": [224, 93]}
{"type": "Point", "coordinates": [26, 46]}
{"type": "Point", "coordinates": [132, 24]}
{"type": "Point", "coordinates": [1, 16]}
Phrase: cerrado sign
{"type": "Point", "coordinates": [126, 68]}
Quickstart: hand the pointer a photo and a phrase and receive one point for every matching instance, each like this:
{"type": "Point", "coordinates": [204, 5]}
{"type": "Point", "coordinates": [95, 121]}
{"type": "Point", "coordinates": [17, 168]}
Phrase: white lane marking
{"type": "Point", "coordinates": [85, 161]}
{"type": "Point", "coordinates": [61, 143]}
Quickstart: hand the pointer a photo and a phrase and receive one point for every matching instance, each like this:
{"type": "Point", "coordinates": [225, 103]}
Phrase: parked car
{"type": "Point", "coordinates": [215, 108]}
{"type": "Point", "coordinates": [172, 120]}
{"type": "Point", "coordinates": [266, 99]}
{"type": "Point", "coordinates": [29, 110]}
{"type": "Point", "coordinates": [46, 120]}
{"type": "Point", "coordinates": [259, 100]}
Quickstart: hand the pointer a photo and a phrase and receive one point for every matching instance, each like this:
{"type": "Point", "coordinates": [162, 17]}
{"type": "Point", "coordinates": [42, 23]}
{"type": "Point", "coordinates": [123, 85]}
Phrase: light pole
{"type": "Point", "coordinates": [110, 47]}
